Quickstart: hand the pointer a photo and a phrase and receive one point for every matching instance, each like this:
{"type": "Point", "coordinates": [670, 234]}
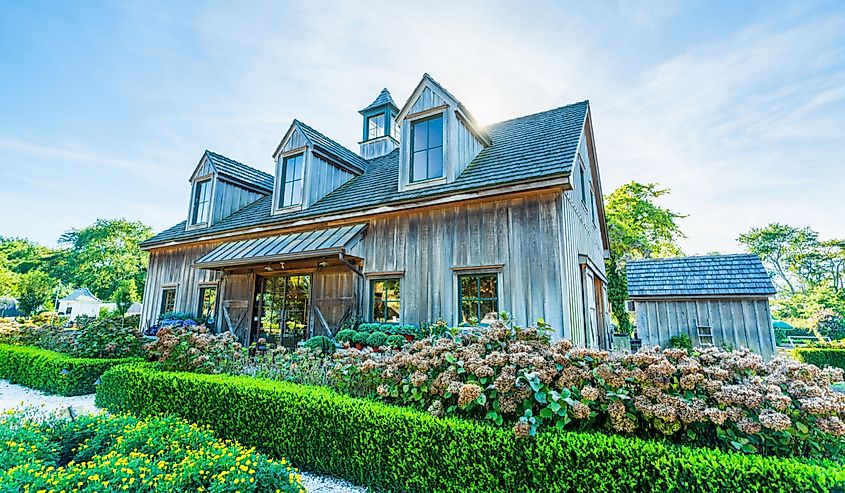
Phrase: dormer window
{"type": "Point", "coordinates": [427, 148]}
{"type": "Point", "coordinates": [375, 126]}
{"type": "Point", "coordinates": [201, 202]}
{"type": "Point", "coordinates": [290, 191]}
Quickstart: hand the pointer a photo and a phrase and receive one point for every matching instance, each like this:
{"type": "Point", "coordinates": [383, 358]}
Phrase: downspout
{"type": "Point", "coordinates": [349, 264]}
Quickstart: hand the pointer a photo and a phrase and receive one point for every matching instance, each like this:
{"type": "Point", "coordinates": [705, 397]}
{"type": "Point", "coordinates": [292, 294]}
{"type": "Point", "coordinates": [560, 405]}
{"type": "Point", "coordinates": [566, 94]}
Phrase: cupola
{"type": "Point", "coordinates": [381, 134]}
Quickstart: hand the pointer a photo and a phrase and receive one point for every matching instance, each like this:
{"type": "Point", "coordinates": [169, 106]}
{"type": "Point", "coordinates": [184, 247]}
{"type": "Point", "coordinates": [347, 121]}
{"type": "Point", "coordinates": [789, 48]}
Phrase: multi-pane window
{"type": "Point", "coordinates": [202, 202]}
{"type": "Point", "coordinates": [168, 300]}
{"type": "Point", "coordinates": [427, 148]}
{"type": "Point", "coordinates": [291, 181]}
{"type": "Point", "coordinates": [375, 126]}
{"type": "Point", "coordinates": [207, 303]}
{"type": "Point", "coordinates": [479, 298]}
{"type": "Point", "coordinates": [385, 300]}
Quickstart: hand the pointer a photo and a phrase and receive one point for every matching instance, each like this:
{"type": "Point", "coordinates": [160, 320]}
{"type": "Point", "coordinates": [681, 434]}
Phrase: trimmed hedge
{"type": "Point", "coordinates": [821, 356]}
{"type": "Point", "coordinates": [53, 372]}
{"type": "Point", "coordinates": [399, 449]}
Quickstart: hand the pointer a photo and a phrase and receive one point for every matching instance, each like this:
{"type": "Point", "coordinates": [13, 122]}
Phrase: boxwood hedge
{"type": "Point", "coordinates": [821, 356]}
{"type": "Point", "coordinates": [397, 449]}
{"type": "Point", "coordinates": [53, 372]}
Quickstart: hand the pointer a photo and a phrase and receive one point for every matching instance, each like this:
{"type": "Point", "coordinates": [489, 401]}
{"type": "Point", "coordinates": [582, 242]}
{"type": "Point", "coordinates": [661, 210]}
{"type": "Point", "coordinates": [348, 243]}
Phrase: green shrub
{"type": "Point", "coordinates": [122, 453]}
{"type": "Point", "coordinates": [402, 450]}
{"type": "Point", "coordinates": [345, 335]}
{"type": "Point", "coordinates": [376, 339]}
{"type": "Point", "coordinates": [821, 356]}
{"type": "Point", "coordinates": [681, 341]}
{"type": "Point", "coordinates": [194, 348]}
{"type": "Point", "coordinates": [369, 328]}
{"type": "Point", "coordinates": [396, 341]}
{"type": "Point", "coordinates": [322, 344]}
{"type": "Point", "coordinates": [360, 337]}
{"type": "Point", "coordinates": [53, 372]}
{"type": "Point", "coordinates": [106, 337]}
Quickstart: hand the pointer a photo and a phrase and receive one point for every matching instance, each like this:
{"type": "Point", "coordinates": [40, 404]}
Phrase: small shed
{"type": "Point", "coordinates": [80, 302]}
{"type": "Point", "coordinates": [714, 299]}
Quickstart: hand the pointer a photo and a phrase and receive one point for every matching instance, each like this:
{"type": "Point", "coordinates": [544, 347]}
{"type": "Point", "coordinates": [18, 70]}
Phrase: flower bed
{"type": "Point", "coordinates": [833, 356]}
{"type": "Point", "coordinates": [400, 449]}
{"type": "Point", "coordinates": [105, 337]}
{"type": "Point", "coordinates": [122, 453]}
{"type": "Point", "coordinates": [53, 372]}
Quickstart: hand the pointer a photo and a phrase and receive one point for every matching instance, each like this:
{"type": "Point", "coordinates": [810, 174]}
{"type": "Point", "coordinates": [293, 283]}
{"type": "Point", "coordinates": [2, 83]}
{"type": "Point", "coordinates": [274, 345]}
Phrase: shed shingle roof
{"type": "Point", "coordinates": [241, 171]}
{"type": "Point", "coordinates": [532, 147]}
{"type": "Point", "coordinates": [710, 275]}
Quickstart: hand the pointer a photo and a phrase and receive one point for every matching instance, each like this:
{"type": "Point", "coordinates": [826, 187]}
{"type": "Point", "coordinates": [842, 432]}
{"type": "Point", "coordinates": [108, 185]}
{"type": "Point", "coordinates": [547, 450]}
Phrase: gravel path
{"type": "Point", "coordinates": [14, 396]}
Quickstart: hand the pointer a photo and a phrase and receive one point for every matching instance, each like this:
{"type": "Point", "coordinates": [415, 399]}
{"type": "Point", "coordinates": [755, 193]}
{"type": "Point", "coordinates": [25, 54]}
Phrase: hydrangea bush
{"type": "Point", "coordinates": [194, 348]}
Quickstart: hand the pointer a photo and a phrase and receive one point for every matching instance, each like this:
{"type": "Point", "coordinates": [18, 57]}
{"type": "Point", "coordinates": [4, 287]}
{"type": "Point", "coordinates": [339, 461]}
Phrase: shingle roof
{"type": "Point", "coordinates": [711, 275]}
{"type": "Point", "coordinates": [383, 98]}
{"type": "Point", "coordinates": [241, 171]}
{"type": "Point", "coordinates": [532, 147]}
{"type": "Point", "coordinates": [329, 145]}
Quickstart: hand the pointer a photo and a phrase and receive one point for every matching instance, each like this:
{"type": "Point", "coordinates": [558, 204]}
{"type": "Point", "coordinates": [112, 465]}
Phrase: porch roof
{"type": "Point", "coordinates": [305, 244]}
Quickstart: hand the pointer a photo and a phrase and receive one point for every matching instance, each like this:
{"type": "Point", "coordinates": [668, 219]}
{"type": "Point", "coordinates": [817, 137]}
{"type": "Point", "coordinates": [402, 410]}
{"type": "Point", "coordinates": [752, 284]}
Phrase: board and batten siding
{"type": "Point", "coordinates": [743, 323]}
{"type": "Point", "coordinates": [526, 240]}
{"type": "Point", "coordinates": [230, 198]}
{"type": "Point", "coordinates": [321, 178]}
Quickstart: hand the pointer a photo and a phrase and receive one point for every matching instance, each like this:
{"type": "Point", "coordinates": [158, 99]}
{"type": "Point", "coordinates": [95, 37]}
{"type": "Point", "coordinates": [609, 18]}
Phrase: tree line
{"type": "Point", "coordinates": [104, 257]}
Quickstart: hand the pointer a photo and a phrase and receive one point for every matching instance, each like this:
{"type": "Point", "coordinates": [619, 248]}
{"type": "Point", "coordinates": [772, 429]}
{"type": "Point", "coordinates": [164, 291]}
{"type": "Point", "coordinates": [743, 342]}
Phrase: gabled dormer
{"type": "Point", "coordinates": [438, 138]}
{"type": "Point", "coordinates": [309, 166]}
{"type": "Point", "coordinates": [381, 134]}
{"type": "Point", "coordinates": [220, 187]}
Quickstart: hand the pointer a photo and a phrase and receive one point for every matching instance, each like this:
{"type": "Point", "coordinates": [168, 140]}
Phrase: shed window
{"type": "Point", "coordinates": [375, 126]}
{"type": "Point", "coordinates": [202, 202]}
{"type": "Point", "coordinates": [479, 298]}
{"type": "Point", "coordinates": [207, 304]}
{"type": "Point", "coordinates": [427, 148]}
{"type": "Point", "coordinates": [168, 300]}
{"type": "Point", "coordinates": [290, 192]}
{"type": "Point", "coordinates": [385, 300]}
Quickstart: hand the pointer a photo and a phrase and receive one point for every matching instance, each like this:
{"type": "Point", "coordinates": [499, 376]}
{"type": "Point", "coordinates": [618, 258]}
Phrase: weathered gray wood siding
{"type": "Point", "coordinates": [230, 198]}
{"type": "Point", "coordinates": [321, 178]}
{"type": "Point", "coordinates": [172, 268]}
{"type": "Point", "coordinates": [528, 241]}
{"type": "Point", "coordinates": [739, 322]}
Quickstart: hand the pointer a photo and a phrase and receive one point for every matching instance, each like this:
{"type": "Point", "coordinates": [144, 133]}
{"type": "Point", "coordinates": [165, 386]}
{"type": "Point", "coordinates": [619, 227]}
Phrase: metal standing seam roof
{"type": "Point", "coordinates": [248, 174]}
{"type": "Point", "coordinates": [281, 247]}
{"type": "Point", "coordinates": [532, 147]}
{"type": "Point", "coordinates": [709, 275]}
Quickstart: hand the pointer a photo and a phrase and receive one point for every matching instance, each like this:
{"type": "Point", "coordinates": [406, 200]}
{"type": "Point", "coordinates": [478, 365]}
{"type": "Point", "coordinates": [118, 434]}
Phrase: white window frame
{"type": "Point", "coordinates": [279, 179]}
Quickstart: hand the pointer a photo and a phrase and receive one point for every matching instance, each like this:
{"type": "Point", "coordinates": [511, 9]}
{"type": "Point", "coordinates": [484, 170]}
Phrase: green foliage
{"type": "Point", "coordinates": [345, 335]}
{"type": "Point", "coordinates": [396, 341]}
{"type": "Point", "coordinates": [638, 228]}
{"type": "Point", "coordinates": [21, 255]}
{"type": "Point", "coordinates": [360, 337]}
{"type": "Point", "coordinates": [398, 449]}
{"type": "Point", "coordinates": [51, 371]}
{"type": "Point", "coordinates": [194, 348]}
{"type": "Point", "coordinates": [321, 343]}
{"type": "Point", "coordinates": [104, 255]}
{"type": "Point", "coordinates": [122, 453]}
{"type": "Point", "coordinates": [8, 278]}
{"type": "Point", "coordinates": [376, 339]}
{"type": "Point", "coordinates": [125, 294]}
{"type": "Point", "coordinates": [783, 249]}
{"type": "Point", "coordinates": [681, 341]}
{"type": "Point", "coordinates": [369, 328]}
{"type": "Point", "coordinates": [822, 356]}
{"type": "Point", "coordinates": [35, 289]}
{"type": "Point", "coordinates": [105, 337]}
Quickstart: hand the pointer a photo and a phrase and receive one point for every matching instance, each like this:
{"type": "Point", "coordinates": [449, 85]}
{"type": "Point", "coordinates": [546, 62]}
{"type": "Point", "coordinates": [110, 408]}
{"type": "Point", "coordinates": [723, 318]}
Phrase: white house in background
{"type": "Point", "coordinates": [80, 302]}
{"type": "Point", "coordinates": [134, 309]}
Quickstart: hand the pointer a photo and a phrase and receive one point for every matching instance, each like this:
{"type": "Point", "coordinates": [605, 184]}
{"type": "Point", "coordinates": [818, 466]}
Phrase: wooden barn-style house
{"type": "Point", "coordinates": [436, 217]}
{"type": "Point", "coordinates": [716, 300]}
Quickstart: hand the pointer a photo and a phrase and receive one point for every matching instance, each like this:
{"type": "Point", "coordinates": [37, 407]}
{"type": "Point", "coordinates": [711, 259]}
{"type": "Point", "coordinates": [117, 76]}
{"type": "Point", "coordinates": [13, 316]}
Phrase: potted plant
{"type": "Point", "coordinates": [359, 339]}
{"type": "Point", "coordinates": [376, 340]}
{"type": "Point", "coordinates": [409, 332]}
{"type": "Point", "coordinates": [395, 341]}
{"type": "Point", "coordinates": [345, 336]}
{"type": "Point", "coordinates": [262, 344]}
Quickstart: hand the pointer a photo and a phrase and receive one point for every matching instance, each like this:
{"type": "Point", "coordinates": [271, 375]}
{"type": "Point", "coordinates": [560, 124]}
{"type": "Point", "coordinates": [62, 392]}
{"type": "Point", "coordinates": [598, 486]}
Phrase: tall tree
{"type": "Point", "coordinates": [789, 253]}
{"type": "Point", "coordinates": [638, 228]}
{"type": "Point", "coordinates": [23, 255]}
{"type": "Point", "coordinates": [8, 278]}
{"type": "Point", "coordinates": [100, 256]}
{"type": "Point", "coordinates": [125, 294]}
{"type": "Point", "coordinates": [35, 291]}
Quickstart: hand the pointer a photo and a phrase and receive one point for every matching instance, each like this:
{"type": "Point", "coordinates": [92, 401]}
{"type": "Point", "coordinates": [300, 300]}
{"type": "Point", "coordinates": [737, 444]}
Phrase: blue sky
{"type": "Point", "coordinates": [737, 107]}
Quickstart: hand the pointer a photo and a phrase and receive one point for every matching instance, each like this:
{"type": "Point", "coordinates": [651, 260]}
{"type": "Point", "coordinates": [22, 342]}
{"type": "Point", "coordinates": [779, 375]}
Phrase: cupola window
{"type": "Point", "coordinates": [375, 126]}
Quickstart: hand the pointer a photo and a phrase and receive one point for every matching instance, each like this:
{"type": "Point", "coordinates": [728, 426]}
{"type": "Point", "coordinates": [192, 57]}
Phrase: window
{"type": "Point", "coordinates": [207, 302]}
{"type": "Point", "coordinates": [384, 299]}
{"type": "Point", "coordinates": [583, 179]}
{"type": "Point", "coordinates": [427, 148]}
{"type": "Point", "coordinates": [202, 202]}
{"type": "Point", "coordinates": [290, 193]}
{"type": "Point", "coordinates": [168, 300]}
{"type": "Point", "coordinates": [375, 126]}
{"type": "Point", "coordinates": [394, 129]}
{"type": "Point", "coordinates": [593, 206]}
{"type": "Point", "coordinates": [479, 298]}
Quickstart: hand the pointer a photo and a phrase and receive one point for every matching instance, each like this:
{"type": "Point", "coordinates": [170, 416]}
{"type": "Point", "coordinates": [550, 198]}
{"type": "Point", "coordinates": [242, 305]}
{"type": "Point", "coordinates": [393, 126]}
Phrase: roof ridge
{"type": "Point", "coordinates": [238, 162]}
{"type": "Point", "coordinates": [578, 103]}
{"type": "Point", "coordinates": [693, 257]}
{"type": "Point", "coordinates": [331, 140]}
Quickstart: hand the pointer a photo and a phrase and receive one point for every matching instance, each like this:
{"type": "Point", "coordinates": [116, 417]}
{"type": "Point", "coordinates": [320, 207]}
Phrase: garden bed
{"type": "Point", "coordinates": [53, 372]}
{"type": "Point", "coordinates": [400, 449]}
